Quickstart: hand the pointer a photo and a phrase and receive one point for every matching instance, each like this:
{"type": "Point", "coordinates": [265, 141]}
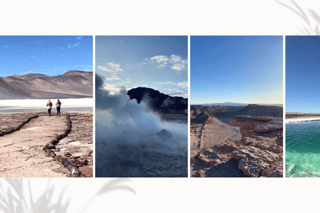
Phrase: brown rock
{"type": "Point", "coordinates": [253, 160]}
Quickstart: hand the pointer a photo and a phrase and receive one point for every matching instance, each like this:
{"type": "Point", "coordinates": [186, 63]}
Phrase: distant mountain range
{"type": "Point", "coordinates": [72, 84]}
{"type": "Point", "coordinates": [158, 101]}
{"type": "Point", "coordinates": [233, 111]}
{"type": "Point", "coordinates": [237, 104]}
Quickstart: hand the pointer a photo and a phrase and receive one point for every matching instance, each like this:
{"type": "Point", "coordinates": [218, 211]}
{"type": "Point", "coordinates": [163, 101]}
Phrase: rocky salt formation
{"type": "Point", "coordinates": [70, 148]}
{"type": "Point", "coordinates": [258, 154]}
{"type": "Point", "coordinates": [77, 147]}
{"type": "Point", "coordinates": [10, 122]}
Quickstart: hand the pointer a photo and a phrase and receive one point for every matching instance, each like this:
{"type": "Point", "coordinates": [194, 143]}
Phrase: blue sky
{"type": "Point", "coordinates": [240, 69]}
{"type": "Point", "coordinates": [158, 62]}
{"type": "Point", "coordinates": [49, 55]}
{"type": "Point", "coordinates": [303, 74]}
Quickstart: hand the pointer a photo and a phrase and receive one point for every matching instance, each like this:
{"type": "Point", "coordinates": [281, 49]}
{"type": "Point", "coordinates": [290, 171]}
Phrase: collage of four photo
{"type": "Point", "coordinates": [159, 106]}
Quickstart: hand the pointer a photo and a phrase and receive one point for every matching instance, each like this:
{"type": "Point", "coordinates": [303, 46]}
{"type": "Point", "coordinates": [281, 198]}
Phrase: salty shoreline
{"type": "Point", "coordinates": [26, 134]}
{"type": "Point", "coordinates": [301, 120]}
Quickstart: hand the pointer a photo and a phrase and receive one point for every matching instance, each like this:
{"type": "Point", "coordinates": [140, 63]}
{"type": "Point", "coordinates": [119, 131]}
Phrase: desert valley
{"type": "Point", "coordinates": [236, 141]}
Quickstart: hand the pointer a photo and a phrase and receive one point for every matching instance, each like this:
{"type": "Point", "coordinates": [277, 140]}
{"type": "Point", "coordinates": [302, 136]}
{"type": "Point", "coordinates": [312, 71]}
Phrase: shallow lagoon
{"type": "Point", "coordinates": [303, 149]}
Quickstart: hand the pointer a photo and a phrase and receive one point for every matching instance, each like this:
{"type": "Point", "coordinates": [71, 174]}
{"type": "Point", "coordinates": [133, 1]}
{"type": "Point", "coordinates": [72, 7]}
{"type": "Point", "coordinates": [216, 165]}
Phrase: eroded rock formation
{"type": "Point", "coordinates": [258, 154]}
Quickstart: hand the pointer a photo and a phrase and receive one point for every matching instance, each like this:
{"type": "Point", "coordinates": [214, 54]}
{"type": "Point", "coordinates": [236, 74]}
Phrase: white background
{"type": "Point", "coordinates": [164, 18]}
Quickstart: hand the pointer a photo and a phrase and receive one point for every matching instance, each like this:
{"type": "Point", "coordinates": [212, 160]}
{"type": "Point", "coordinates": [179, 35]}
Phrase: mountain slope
{"type": "Point", "coordinates": [72, 84]}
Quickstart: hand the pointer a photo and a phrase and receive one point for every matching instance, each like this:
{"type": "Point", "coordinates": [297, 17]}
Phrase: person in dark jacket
{"type": "Point", "coordinates": [49, 106]}
{"type": "Point", "coordinates": [58, 105]}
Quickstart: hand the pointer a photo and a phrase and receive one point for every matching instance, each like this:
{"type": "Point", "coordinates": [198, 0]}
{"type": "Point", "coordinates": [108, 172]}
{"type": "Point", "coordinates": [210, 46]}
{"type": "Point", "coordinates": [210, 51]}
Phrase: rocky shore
{"type": "Point", "coordinates": [258, 154]}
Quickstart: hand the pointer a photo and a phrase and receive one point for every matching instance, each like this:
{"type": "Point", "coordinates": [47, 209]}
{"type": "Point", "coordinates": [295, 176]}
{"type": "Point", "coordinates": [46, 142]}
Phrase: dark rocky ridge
{"type": "Point", "coordinates": [72, 84]}
{"type": "Point", "coordinates": [159, 102]}
{"type": "Point", "coordinates": [233, 111]}
{"type": "Point", "coordinates": [297, 115]}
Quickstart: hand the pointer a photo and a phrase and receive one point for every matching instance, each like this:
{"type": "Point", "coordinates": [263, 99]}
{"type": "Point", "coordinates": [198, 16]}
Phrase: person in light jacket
{"type": "Point", "coordinates": [49, 106]}
{"type": "Point", "coordinates": [58, 105]}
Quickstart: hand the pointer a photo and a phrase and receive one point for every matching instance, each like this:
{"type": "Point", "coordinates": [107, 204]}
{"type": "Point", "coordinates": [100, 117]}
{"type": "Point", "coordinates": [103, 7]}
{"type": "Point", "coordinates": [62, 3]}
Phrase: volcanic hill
{"type": "Point", "coordinates": [159, 102]}
{"type": "Point", "coordinates": [72, 84]}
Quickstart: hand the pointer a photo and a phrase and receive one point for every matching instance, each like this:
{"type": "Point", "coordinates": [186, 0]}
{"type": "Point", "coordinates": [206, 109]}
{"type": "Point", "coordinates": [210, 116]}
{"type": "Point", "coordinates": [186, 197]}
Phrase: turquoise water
{"type": "Point", "coordinates": [303, 149]}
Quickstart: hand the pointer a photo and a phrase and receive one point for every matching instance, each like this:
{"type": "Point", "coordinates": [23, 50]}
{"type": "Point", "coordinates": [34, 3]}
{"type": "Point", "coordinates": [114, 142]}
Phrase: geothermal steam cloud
{"type": "Point", "coordinates": [127, 133]}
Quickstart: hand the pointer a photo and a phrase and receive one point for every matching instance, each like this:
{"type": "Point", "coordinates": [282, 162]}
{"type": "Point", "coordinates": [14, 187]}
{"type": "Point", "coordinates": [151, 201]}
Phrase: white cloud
{"type": "Point", "coordinates": [111, 67]}
{"type": "Point", "coordinates": [104, 68]}
{"type": "Point", "coordinates": [79, 37]}
{"type": "Point", "coordinates": [175, 94]}
{"type": "Point", "coordinates": [178, 67]}
{"type": "Point", "coordinates": [114, 88]}
{"type": "Point", "coordinates": [160, 59]}
{"type": "Point", "coordinates": [113, 78]}
{"type": "Point", "coordinates": [73, 45]}
{"type": "Point", "coordinates": [114, 66]}
{"type": "Point", "coordinates": [141, 64]}
{"type": "Point", "coordinates": [175, 59]}
{"type": "Point", "coordinates": [177, 63]}
{"type": "Point", "coordinates": [168, 82]}
{"type": "Point", "coordinates": [161, 65]}
{"type": "Point", "coordinates": [183, 84]}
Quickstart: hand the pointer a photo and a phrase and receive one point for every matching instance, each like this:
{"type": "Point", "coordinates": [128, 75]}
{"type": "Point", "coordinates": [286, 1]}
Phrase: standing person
{"type": "Point", "coordinates": [49, 106]}
{"type": "Point", "coordinates": [58, 105]}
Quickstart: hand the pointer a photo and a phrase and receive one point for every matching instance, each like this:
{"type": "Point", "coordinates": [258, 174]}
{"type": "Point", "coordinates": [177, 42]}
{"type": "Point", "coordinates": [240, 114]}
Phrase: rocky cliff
{"type": "Point", "coordinates": [159, 102]}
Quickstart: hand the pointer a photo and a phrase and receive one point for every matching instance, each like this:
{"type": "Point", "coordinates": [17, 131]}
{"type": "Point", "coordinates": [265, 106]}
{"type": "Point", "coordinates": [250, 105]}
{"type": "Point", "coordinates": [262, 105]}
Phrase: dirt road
{"type": "Point", "coordinates": [21, 152]}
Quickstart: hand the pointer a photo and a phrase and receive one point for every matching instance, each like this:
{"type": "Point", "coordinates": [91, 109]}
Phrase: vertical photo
{"type": "Point", "coordinates": [236, 97]}
{"type": "Point", "coordinates": [141, 106]}
{"type": "Point", "coordinates": [302, 106]}
{"type": "Point", "coordinates": [46, 104]}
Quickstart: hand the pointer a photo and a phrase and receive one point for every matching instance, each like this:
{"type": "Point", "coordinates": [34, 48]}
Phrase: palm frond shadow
{"type": "Point", "coordinates": [115, 184]}
{"type": "Point", "coordinates": [309, 29]}
{"type": "Point", "coordinates": [13, 198]}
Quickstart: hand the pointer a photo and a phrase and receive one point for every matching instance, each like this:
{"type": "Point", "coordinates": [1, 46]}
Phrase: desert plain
{"type": "Point", "coordinates": [38, 145]}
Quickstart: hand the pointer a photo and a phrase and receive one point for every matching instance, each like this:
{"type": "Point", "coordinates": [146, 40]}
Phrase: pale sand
{"type": "Point", "coordinates": [21, 152]}
{"type": "Point", "coordinates": [212, 134]}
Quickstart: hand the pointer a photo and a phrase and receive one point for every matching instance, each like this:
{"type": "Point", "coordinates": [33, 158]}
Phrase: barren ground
{"type": "Point", "coordinates": [212, 133]}
{"type": "Point", "coordinates": [22, 152]}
